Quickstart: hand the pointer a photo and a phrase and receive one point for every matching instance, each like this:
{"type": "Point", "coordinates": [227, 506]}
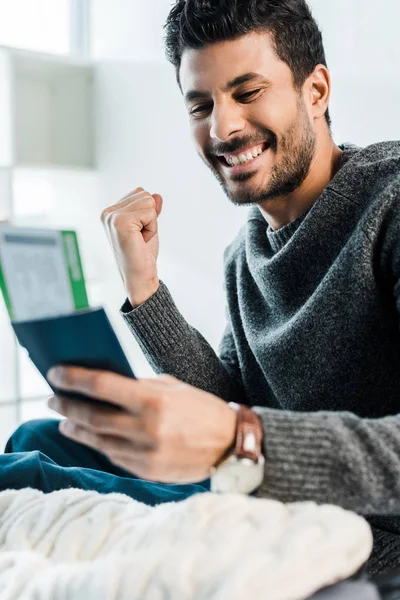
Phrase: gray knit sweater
{"type": "Point", "coordinates": [312, 343]}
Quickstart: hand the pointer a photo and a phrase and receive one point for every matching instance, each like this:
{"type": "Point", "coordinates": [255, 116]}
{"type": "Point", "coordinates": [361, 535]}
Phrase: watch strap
{"type": "Point", "coordinates": [249, 433]}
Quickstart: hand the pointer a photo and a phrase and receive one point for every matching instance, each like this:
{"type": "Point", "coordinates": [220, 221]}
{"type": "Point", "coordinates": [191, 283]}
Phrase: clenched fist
{"type": "Point", "coordinates": [132, 229]}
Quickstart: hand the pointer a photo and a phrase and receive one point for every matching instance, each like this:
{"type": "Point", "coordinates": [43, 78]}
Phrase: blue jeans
{"type": "Point", "coordinates": [38, 456]}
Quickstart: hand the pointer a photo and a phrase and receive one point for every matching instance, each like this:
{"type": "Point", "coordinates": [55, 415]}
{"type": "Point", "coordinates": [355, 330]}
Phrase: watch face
{"type": "Point", "coordinates": [238, 475]}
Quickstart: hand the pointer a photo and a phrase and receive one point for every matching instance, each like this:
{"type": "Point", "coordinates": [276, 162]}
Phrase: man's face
{"type": "Point", "coordinates": [250, 125]}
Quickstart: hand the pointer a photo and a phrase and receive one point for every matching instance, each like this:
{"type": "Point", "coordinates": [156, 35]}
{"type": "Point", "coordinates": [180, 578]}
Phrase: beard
{"type": "Point", "coordinates": [297, 148]}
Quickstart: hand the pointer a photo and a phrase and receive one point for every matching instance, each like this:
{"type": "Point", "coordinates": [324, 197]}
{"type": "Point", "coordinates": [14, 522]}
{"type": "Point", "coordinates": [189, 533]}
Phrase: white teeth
{"type": "Point", "coordinates": [242, 159]}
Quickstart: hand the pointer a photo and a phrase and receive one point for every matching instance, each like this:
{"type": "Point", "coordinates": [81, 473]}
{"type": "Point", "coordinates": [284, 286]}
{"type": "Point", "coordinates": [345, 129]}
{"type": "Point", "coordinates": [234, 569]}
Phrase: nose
{"type": "Point", "coordinates": [226, 120]}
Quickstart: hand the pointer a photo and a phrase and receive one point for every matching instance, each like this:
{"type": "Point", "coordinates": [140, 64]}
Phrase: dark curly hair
{"type": "Point", "coordinates": [296, 36]}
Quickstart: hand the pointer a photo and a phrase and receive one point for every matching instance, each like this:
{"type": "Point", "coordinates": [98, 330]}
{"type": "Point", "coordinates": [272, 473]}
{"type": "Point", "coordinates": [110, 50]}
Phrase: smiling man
{"type": "Point", "coordinates": [302, 401]}
{"type": "Point", "coordinates": [258, 133]}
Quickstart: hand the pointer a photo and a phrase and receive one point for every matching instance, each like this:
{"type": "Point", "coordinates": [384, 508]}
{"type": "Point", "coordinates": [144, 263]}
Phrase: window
{"type": "Point", "coordinates": [53, 26]}
{"type": "Point", "coordinates": [41, 25]}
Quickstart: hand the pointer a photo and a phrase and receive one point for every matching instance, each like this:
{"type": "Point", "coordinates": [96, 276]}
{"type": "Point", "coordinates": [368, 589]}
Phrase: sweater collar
{"type": "Point", "coordinates": [279, 238]}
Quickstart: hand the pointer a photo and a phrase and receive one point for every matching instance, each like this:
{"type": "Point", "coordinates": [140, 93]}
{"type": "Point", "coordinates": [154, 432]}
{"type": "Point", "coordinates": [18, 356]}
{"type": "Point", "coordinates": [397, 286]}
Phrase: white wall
{"type": "Point", "coordinates": [128, 30]}
{"type": "Point", "coordinates": [363, 53]}
{"type": "Point", "coordinates": [144, 138]}
{"type": "Point", "coordinates": [144, 141]}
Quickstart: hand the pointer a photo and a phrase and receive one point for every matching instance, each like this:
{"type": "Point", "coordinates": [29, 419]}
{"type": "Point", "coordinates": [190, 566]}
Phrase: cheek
{"type": "Point", "coordinates": [200, 133]}
{"type": "Point", "coordinates": [274, 112]}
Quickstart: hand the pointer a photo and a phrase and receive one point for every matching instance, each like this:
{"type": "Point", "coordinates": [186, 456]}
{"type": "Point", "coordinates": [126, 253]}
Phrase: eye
{"type": "Point", "coordinates": [248, 96]}
{"type": "Point", "coordinates": [200, 110]}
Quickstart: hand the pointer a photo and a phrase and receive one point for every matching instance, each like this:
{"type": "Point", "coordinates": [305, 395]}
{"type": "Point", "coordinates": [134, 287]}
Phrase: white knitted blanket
{"type": "Point", "coordinates": [74, 544]}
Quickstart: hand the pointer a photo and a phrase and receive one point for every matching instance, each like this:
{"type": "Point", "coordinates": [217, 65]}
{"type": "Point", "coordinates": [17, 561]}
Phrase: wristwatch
{"type": "Point", "coordinates": [243, 470]}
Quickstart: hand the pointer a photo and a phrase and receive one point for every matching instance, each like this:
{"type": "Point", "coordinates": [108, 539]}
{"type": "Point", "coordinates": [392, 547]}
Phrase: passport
{"type": "Point", "coordinates": [84, 338]}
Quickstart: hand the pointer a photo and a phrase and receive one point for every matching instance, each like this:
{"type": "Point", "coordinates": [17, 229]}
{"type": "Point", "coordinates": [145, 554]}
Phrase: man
{"type": "Point", "coordinates": [312, 343]}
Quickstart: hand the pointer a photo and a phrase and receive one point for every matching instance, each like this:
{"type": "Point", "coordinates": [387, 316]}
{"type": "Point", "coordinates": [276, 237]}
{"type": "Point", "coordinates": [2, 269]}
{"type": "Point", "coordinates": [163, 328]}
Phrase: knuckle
{"type": "Point", "coordinates": [105, 214]}
{"type": "Point", "coordinates": [62, 405]}
{"type": "Point", "coordinates": [159, 428]}
{"type": "Point", "coordinates": [96, 441]}
{"type": "Point", "coordinates": [137, 191]}
{"type": "Point", "coordinates": [121, 221]}
{"type": "Point", "coordinates": [97, 382]}
{"type": "Point", "coordinates": [149, 215]}
{"type": "Point", "coordinates": [143, 201]}
{"type": "Point", "coordinates": [92, 419]}
{"type": "Point", "coordinates": [120, 421]}
{"type": "Point", "coordinates": [69, 377]}
{"type": "Point", "coordinates": [150, 202]}
{"type": "Point", "coordinates": [155, 407]}
{"type": "Point", "coordinates": [117, 220]}
{"type": "Point", "coordinates": [108, 448]}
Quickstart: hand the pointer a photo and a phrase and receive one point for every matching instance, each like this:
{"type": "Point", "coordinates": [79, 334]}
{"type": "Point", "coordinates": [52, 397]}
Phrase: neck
{"type": "Point", "coordinates": [285, 209]}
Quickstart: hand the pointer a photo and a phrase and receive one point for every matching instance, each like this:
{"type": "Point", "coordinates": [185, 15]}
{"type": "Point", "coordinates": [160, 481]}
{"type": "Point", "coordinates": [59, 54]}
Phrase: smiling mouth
{"type": "Point", "coordinates": [243, 157]}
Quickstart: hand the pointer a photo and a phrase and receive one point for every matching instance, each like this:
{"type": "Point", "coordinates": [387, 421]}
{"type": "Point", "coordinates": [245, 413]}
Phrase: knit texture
{"type": "Point", "coordinates": [312, 342]}
{"type": "Point", "coordinates": [74, 544]}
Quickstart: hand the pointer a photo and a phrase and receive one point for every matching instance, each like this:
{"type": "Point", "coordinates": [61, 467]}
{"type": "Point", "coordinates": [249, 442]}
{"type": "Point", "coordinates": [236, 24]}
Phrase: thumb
{"type": "Point", "coordinates": [159, 203]}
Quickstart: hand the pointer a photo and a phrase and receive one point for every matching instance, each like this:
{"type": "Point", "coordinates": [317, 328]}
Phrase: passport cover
{"type": "Point", "coordinates": [84, 339]}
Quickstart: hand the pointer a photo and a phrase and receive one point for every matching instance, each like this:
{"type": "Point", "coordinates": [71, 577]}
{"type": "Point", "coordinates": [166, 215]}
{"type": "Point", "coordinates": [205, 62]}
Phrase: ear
{"type": "Point", "coordinates": [319, 91]}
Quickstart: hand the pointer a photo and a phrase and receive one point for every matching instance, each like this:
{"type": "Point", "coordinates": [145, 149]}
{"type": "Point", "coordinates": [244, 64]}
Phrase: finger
{"type": "Point", "coordinates": [100, 420]}
{"type": "Point", "coordinates": [135, 200]}
{"type": "Point", "coordinates": [136, 463]}
{"type": "Point", "coordinates": [159, 203]}
{"type": "Point", "coordinates": [105, 444]}
{"type": "Point", "coordinates": [142, 198]}
{"type": "Point", "coordinates": [131, 394]}
{"type": "Point", "coordinates": [165, 382]}
{"type": "Point", "coordinates": [127, 200]}
{"type": "Point", "coordinates": [122, 224]}
{"type": "Point", "coordinates": [144, 217]}
{"type": "Point", "coordinates": [137, 195]}
{"type": "Point", "coordinates": [138, 214]}
{"type": "Point", "coordinates": [134, 192]}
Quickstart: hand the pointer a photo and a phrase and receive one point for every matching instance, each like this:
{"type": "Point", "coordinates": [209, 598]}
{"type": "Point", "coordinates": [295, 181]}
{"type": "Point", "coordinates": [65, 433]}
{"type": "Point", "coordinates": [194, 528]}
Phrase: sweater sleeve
{"type": "Point", "coordinates": [332, 457]}
{"type": "Point", "coordinates": [326, 457]}
{"type": "Point", "coordinates": [173, 347]}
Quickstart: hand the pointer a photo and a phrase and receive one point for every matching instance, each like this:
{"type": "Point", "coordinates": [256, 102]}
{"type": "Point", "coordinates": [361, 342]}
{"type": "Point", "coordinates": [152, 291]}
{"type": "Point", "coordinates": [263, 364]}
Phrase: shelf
{"type": "Point", "coordinates": [46, 176]}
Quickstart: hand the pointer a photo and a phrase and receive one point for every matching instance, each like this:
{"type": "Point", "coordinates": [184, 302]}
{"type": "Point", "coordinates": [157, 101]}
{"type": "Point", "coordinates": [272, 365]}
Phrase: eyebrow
{"type": "Point", "coordinates": [197, 94]}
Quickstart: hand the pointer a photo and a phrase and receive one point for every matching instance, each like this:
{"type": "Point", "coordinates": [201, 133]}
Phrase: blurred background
{"type": "Point", "coordinates": [89, 110]}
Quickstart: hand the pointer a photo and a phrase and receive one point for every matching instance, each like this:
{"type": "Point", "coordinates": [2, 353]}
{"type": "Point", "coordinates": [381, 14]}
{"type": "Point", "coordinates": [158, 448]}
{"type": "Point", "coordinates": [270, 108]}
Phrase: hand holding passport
{"type": "Point", "coordinates": [42, 281]}
{"type": "Point", "coordinates": [166, 430]}
{"type": "Point", "coordinates": [84, 339]}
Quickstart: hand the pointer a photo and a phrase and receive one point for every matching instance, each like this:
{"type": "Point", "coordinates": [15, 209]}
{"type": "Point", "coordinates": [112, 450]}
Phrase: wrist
{"type": "Point", "coordinates": [229, 438]}
{"type": "Point", "coordinates": [249, 432]}
{"type": "Point", "coordinates": [242, 469]}
{"type": "Point", "coordinates": [143, 293]}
